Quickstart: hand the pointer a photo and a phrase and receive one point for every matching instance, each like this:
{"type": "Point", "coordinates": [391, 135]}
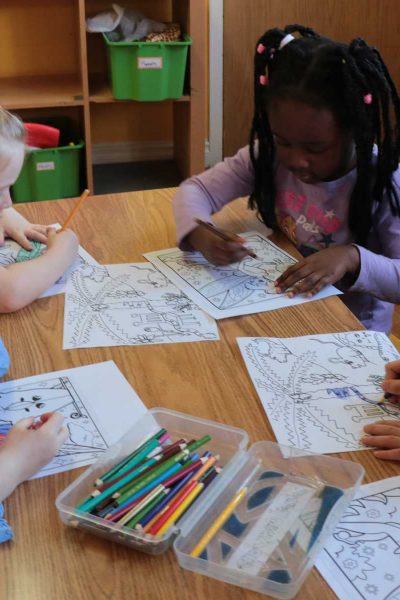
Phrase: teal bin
{"type": "Point", "coordinates": [147, 71]}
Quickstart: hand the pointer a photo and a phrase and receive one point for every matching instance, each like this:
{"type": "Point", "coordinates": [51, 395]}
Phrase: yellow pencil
{"type": "Point", "coordinates": [181, 509]}
{"type": "Point", "coordinates": [73, 212]}
{"type": "Point", "coordinates": [218, 523]}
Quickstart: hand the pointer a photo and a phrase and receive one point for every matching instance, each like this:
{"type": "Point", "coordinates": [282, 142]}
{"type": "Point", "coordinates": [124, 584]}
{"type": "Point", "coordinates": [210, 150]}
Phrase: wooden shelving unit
{"type": "Point", "coordinates": [52, 66]}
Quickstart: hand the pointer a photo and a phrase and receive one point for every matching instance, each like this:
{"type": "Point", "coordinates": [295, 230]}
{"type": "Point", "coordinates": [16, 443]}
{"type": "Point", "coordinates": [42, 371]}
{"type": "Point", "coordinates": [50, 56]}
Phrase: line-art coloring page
{"type": "Point", "coordinates": [361, 559]}
{"type": "Point", "coordinates": [319, 391]}
{"type": "Point", "coordinates": [241, 288]}
{"type": "Point", "coordinates": [11, 252]}
{"type": "Point", "coordinates": [97, 402]}
{"type": "Point", "coordinates": [127, 305]}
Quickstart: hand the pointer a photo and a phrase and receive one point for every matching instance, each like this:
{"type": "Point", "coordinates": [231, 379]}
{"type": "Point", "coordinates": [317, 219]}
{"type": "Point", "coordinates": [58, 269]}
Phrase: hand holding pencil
{"type": "Point", "coordinates": [219, 247]}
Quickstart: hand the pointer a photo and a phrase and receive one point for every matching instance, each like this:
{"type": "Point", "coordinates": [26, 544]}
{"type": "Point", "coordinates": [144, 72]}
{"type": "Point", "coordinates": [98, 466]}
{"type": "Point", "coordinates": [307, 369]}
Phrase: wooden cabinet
{"type": "Point", "coordinates": [50, 66]}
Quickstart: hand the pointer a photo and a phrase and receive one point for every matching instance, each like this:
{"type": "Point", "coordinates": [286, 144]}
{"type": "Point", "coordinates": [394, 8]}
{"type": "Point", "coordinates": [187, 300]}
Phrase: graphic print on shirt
{"type": "Point", "coordinates": [306, 222]}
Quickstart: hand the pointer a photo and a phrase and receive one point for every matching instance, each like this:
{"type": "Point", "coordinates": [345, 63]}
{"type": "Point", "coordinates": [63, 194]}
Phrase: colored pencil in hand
{"type": "Point", "coordinates": [73, 212]}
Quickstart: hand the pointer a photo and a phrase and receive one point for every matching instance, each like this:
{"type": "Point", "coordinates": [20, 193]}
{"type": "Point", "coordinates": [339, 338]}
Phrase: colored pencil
{"type": "Point", "coordinates": [219, 522]}
{"type": "Point", "coordinates": [183, 506]}
{"type": "Point", "coordinates": [228, 237]}
{"type": "Point", "coordinates": [73, 212]}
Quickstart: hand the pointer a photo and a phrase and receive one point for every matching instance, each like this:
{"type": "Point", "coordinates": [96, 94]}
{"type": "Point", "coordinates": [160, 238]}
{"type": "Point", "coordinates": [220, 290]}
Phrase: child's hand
{"type": "Point", "coordinates": [29, 446]}
{"type": "Point", "coordinates": [15, 226]}
{"type": "Point", "coordinates": [66, 240]}
{"type": "Point", "coordinates": [310, 275]}
{"type": "Point", "coordinates": [216, 250]}
{"type": "Point", "coordinates": [391, 383]}
{"type": "Point", "coordinates": [384, 435]}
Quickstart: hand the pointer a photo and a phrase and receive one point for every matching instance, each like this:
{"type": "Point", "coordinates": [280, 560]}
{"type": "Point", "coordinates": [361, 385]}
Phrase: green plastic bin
{"type": "Point", "coordinates": [49, 174]}
{"type": "Point", "coordinates": [147, 71]}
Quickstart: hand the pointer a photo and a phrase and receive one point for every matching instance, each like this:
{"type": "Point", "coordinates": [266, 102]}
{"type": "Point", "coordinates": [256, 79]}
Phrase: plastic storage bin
{"type": "Point", "coordinates": [51, 173]}
{"type": "Point", "coordinates": [147, 71]}
{"type": "Point", "coordinates": [293, 502]}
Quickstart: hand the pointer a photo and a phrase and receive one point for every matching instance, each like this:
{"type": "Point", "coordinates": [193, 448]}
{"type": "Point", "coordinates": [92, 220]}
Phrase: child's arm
{"type": "Point", "coordinates": [21, 283]}
{"type": "Point", "coordinates": [15, 226]}
{"type": "Point", "coordinates": [28, 448]}
{"type": "Point", "coordinates": [204, 195]}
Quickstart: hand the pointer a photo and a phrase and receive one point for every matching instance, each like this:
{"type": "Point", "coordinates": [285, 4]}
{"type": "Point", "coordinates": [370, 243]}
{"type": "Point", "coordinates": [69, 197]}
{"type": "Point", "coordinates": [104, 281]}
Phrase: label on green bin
{"type": "Point", "coordinates": [45, 166]}
{"type": "Point", "coordinates": [150, 62]}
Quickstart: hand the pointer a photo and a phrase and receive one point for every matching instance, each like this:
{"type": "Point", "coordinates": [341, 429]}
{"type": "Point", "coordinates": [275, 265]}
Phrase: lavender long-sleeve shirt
{"type": "Point", "coordinates": [313, 217]}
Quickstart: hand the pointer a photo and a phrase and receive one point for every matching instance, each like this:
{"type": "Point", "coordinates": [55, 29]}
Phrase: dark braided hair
{"type": "Point", "coordinates": [336, 76]}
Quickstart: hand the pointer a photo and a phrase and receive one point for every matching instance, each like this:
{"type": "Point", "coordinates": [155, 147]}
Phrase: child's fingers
{"type": "Point", "coordinates": [23, 424]}
{"type": "Point", "coordinates": [392, 369]}
{"type": "Point", "coordinates": [54, 422]}
{"type": "Point", "coordinates": [39, 235]}
{"type": "Point", "coordinates": [22, 240]}
{"type": "Point", "coordinates": [392, 386]}
{"type": "Point", "coordinates": [383, 428]}
{"type": "Point", "coordinates": [381, 441]}
{"type": "Point", "coordinates": [291, 276]}
{"type": "Point", "coordinates": [385, 423]}
{"type": "Point", "coordinates": [393, 454]}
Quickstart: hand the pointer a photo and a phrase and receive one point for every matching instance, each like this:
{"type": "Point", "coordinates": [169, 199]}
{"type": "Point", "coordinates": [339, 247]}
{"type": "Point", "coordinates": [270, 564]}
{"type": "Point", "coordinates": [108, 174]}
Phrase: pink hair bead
{"type": "Point", "coordinates": [367, 99]}
{"type": "Point", "coordinates": [263, 80]}
{"type": "Point", "coordinates": [260, 48]}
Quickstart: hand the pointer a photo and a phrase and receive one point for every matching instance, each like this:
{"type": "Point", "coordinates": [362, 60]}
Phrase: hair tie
{"type": "Point", "coordinates": [260, 48]}
{"type": "Point", "coordinates": [263, 79]}
{"type": "Point", "coordinates": [286, 40]}
{"type": "Point", "coordinates": [367, 99]}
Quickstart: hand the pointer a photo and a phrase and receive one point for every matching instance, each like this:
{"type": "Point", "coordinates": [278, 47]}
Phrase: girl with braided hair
{"type": "Point", "coordinates": [321, 166]}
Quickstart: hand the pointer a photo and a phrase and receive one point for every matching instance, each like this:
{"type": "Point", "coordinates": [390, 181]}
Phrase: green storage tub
{"type": "Point", "coordinates": [49, 174]}
{"type": "Point", "coordinates": [147, 71]}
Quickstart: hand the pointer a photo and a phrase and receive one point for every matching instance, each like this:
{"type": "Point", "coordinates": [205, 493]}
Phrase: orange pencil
{"type": "Point", "coordinates": [73, 212]}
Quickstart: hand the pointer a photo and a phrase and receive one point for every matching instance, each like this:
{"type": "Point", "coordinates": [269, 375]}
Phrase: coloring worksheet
{"type": "Point", "coordinates": [129, 305]}
{"type": "Point", "coordinates": [319, 391]}
{"type": "Point", "coordinates": [361, 559]}
{"type": "Point", "coordinates": [238, 289]}
{"type": "Point", "coordinates": [97, 402]}
{"type": "Point", "coordinates": [11, 252]}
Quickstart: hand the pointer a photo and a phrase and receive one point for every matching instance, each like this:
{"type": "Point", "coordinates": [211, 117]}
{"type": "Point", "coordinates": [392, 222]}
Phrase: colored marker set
{"type": "Point", "coordinates": [152, 487]}
{"type": "Point", "coordinates": [252, 517]}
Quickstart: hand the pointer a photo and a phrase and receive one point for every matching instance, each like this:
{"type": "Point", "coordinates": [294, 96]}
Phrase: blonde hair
{"type": "Point", "coordinates": [11, 128]}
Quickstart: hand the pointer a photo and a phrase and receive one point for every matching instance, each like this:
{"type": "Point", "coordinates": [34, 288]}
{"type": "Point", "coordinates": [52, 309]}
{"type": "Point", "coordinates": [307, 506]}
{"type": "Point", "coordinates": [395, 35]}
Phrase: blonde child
{"type": "Point", "coordinates": [21, 283]}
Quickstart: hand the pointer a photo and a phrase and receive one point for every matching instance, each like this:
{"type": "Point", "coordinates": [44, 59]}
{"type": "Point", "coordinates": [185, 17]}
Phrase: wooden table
{"type": "Point", "coordinates": [208, 379]}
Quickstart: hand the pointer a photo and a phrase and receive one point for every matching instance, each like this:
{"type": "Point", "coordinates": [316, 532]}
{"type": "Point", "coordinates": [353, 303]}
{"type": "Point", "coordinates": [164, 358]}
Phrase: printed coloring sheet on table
{"type": "Point", "coordinates": [361, 559]}
{"type": "Point", "coordinates": [97, 402]}
{"type": "Point", "coordinates": [130, 304]}
{"type": "Point", "coordinates": [241, 288]}
{"type": "Point", "coordinates": [319, 391]}
{"type": "Point", "coordinates": [11, 252]}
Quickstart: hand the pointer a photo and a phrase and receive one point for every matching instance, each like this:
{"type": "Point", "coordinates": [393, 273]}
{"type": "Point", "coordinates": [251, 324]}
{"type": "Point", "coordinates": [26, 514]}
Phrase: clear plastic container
{"type": "Point", "coordinates": [226, 441]}
{"type": "Point", "coordinates": [270, 542]}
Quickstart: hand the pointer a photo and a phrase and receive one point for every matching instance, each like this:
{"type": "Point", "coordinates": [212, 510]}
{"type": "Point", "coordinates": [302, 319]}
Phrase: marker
{"type": "Point", "coordinates": [228, 237]}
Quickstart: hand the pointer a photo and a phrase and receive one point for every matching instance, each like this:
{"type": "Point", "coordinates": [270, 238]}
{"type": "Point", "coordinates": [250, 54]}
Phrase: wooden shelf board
{"type": "Point", "coordinates": [40, 91]}
{"type": "Point", "coordinates": [100, 93]}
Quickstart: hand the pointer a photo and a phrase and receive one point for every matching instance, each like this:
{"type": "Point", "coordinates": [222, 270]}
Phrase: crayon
{"type": "Point", "coordinates": [183, 506]}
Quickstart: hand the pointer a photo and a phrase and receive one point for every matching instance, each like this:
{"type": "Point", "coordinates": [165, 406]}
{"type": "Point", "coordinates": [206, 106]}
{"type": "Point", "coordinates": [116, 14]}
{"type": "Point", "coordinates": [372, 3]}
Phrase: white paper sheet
{"type": "Point", "coordinates": [130, 304]}
{"type": "Point", "coordinates": [242, 288]}
{"type": "Point", "coordinates": [11, 252]}
{"type": "Point", "coordinates": [97, 402]}
{"type": "Point", "coordinates": [319, 391]}
{"type": "Point", "coordinates": [361, 560]}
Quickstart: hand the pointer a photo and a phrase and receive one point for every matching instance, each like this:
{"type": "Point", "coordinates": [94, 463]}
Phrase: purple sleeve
{"type": "Point", "coordinates": [380, 269]}
{"type": "Point", "coordinates": [205, 194]}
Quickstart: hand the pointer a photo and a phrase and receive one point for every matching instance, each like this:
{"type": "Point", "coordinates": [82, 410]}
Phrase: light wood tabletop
{"type": "Point", "coordinates": [207, 379]}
